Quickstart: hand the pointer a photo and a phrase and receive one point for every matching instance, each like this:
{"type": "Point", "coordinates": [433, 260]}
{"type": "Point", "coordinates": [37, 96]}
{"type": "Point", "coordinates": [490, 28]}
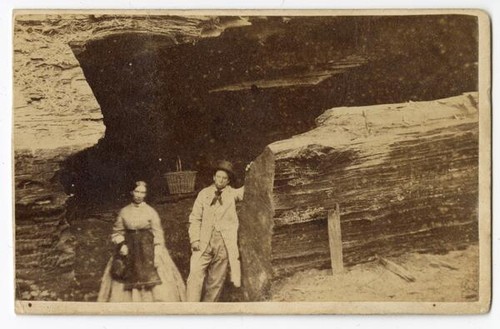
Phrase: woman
{"type": "Point", "coordinates": [148, 273]}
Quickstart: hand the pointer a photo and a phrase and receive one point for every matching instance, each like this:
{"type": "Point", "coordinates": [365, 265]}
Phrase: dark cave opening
{"type": "Point", "coordinates": [227, 97]}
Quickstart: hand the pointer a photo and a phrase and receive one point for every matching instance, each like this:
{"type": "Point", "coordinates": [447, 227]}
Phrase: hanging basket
{"type": "Point", "coordinates": [180, 181]}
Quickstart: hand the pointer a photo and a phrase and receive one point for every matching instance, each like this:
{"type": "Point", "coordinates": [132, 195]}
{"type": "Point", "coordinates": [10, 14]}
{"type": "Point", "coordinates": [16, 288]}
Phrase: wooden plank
{"type": "Point", "coordinates": [335, 240]}
{"type": "Point", "coordinates": [440, 263]}
{"type": "Point", "coordinates": [397, 269]}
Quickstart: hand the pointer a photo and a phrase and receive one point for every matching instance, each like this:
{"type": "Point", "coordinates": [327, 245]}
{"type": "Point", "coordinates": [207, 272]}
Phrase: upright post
{"type": "Point", "coordinates": [335, 239]}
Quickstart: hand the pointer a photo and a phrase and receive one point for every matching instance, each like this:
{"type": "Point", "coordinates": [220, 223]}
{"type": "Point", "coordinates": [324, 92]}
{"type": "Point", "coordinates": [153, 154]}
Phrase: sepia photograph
{"type": "Point", "coordinates": [263, 162]}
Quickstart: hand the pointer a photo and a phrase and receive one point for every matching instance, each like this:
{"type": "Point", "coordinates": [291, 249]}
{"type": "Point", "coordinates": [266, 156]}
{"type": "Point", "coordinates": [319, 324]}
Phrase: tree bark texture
{"type": "Point", "coordinates": [405, 177]}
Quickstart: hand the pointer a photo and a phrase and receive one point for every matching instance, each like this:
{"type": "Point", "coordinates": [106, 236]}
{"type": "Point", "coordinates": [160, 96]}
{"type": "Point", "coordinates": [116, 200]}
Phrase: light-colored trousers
{"type": "Point", "coordinates": [209, 267]}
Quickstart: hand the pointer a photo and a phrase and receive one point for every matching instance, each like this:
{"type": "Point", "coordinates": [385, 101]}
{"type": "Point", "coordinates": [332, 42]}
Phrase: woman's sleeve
{"type": "Point", "coordinates": [157, 229]}
{"type": "Point", "coordinates": [118, 235]}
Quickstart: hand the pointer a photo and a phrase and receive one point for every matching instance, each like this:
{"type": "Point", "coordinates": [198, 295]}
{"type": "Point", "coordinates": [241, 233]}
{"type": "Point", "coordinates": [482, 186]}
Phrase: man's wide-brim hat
{"type": "Point", "coordinates": [227, 167]}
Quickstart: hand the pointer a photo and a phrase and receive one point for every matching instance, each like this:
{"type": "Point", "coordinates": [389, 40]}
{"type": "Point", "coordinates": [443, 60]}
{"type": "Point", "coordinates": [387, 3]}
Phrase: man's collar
{"type": "Point", "coordinates": [215, 187]}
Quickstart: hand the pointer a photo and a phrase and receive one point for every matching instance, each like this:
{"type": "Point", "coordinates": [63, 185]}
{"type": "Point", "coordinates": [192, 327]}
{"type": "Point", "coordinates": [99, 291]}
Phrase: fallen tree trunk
{"type": "Point", "coordinates": [405, 177]}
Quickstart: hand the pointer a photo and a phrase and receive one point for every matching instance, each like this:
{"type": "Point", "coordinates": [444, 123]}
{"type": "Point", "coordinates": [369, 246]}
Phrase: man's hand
{"type": "Point", "coordinates": [195, 246]}
{"type": "Point", "coordinates": [124, 250]}
{"type": "Point", "coordinates": [248, 166]}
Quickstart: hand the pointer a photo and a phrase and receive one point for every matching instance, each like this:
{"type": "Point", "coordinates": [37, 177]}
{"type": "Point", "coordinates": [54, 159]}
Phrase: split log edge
{"type": "Point", "coordinates": [411, 185]}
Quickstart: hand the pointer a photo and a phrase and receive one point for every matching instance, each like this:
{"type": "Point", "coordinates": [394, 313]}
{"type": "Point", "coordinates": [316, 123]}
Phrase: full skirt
{"type": "Point", "coordinates": [171, 289]}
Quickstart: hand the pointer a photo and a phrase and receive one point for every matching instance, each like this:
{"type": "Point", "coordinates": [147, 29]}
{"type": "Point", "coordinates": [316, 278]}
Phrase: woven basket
{"type": "Point", "coordinates": [181, 181]}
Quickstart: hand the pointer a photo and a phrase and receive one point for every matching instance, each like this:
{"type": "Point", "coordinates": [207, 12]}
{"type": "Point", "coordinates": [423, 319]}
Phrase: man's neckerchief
{"type": "Point", "coordinates": [217, 197]}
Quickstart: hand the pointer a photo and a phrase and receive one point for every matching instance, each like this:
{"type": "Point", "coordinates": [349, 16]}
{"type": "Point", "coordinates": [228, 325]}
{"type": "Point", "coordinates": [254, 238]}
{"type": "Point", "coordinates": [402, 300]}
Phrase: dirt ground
{"type": "Point", "coordinates": [450, 277]}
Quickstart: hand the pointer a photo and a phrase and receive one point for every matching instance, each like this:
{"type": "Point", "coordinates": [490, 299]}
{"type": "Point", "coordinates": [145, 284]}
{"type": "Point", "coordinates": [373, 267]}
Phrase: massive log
{"type": "Point", "coordinates": [266, 80]}
{"type": "Point", "coordinates": [90, 91]}
{"type": "Point", "coordinates": [405, 177]}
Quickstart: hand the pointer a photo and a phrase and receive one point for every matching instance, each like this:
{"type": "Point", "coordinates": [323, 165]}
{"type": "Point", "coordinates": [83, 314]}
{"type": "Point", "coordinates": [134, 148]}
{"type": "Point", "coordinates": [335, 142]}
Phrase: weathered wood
{"type": "Point", "coordinates": [440, 263]}
{"type": "Point", "coordinates": [54, 106]}
{"type": "Point", "coordinates": [410, 185]}
{"type": "Point", "coordinates": [43, 242]}
{"type": "Point", "coordinates": [401, 178]}
{"type": "Point", "coordinates": [53, 103]}
{"type": "Point", "coordinates": [397, 269]}
{"type": "Point", "coordinates": [255, 227]}
{"type": "Point", "coordinates": [357, 252]}
{"type": "Point", "coordinates": [335, 239]}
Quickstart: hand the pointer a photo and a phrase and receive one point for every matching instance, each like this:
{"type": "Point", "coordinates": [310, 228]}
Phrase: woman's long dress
{"type": "Point", "coordinates": [163, 283]}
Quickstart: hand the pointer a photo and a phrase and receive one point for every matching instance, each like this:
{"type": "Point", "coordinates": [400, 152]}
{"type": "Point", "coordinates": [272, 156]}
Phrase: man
{"type": "Point", "coordinates": [213, 233]}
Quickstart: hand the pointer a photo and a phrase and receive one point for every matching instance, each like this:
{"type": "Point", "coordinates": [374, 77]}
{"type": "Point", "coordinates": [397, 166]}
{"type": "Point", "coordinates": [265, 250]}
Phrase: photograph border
{"type": "Point", "coordinates": [484, 200]}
